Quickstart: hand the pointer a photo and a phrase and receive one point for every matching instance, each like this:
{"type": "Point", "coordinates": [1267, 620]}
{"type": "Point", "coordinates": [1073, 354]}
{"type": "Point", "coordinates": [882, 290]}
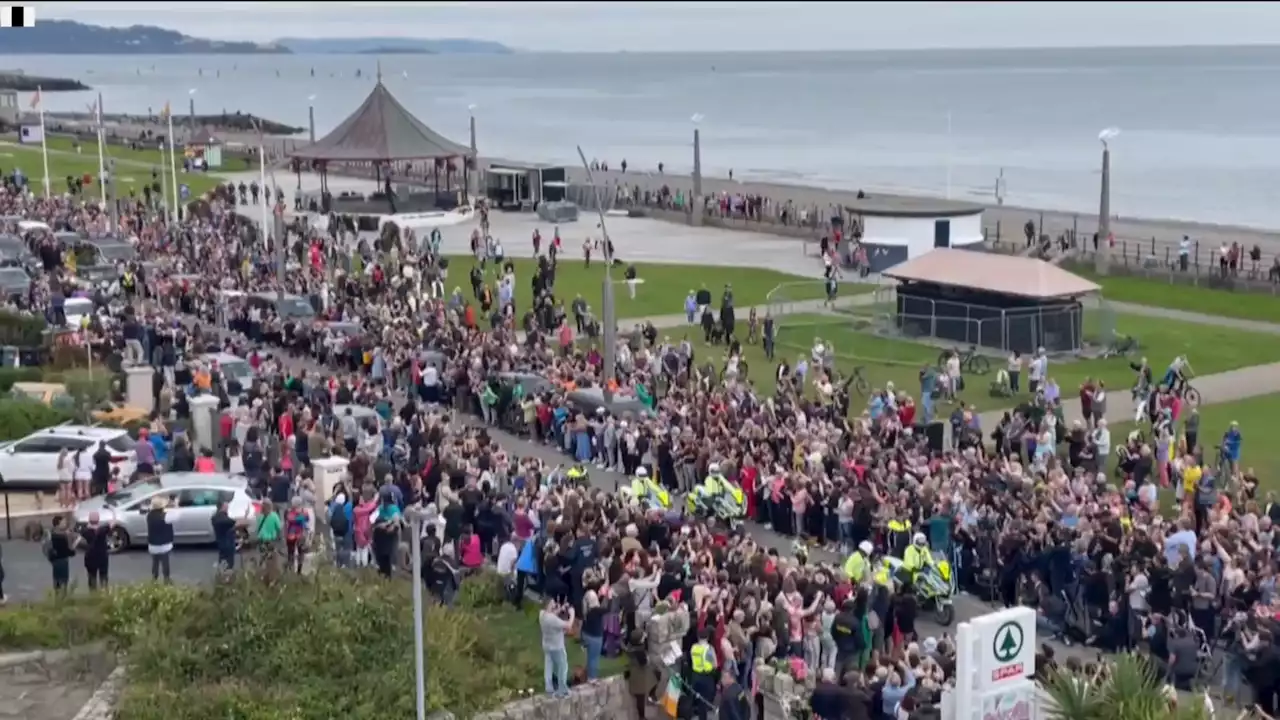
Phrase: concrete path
{"type": "Point", "coordinates": [1215, 389]}
{"type": "Point", "coordinates": [1189, 317]}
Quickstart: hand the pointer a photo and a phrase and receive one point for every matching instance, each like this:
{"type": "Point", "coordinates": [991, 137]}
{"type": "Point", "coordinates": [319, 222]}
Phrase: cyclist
{"type": "Point", "coordinates": [1175, 377]}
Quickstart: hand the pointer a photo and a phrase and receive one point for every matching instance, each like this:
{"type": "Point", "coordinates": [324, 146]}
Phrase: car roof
{"type": "Point", "coordinates": [39, 387]}
{"type": "Point", "coordinates": [222, 357]}
{"type": "Point", "coordinates": [356, 410]}
{"type": "Point", "coordinates": [269, 295]}
{"type": "Point", "coordinates": [90, 432]}
{"type": "Point", "coordinates": [177, 480]}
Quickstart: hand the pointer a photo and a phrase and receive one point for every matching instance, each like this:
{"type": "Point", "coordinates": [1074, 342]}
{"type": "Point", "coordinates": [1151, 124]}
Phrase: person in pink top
{"type": "Point", "coordinates": [363, 517]}
{"type": "Point", "coordinates": [799, 506]}
{"type": "Point", "coordinates": [472, 558]}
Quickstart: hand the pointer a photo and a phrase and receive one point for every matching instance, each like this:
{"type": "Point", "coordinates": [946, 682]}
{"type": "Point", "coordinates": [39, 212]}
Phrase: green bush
{"type": "Point", "coordinates": [11, 375]}
{"type": "Point", "coordinates": [21, 330]}
{"type": "Point", "coordinates": [484, 591]}
{"type": "Point", "coordinates": [332, 645]}
{"type": "Point", "coordinates": [20, 417]}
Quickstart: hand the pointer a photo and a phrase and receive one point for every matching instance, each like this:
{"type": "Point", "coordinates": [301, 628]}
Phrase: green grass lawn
{"type": "Point", "coordinates": [1211, 349]}
{"type": "Point", "coordinates": [1176, 296]}
{"type": "Point", "coordinates": [150, 155]}
{"type": "Point", "coordinates": [128, 177]}
{"type": "Point", "coordinates": [1258, 453]}
{"type": "Point", "coordinates": [664, 288]}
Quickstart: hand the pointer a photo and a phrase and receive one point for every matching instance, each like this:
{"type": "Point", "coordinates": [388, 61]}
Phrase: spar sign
{"type": "Point", "coordinates": [1006, 644]}
{"type": "Point", "coordinates": [997, 655]}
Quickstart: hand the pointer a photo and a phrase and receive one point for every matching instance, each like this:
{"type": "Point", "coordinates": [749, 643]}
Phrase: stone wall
{"type": "Point", "coordinates": [593, 701]}
{"type": "Point", "coordinates": [51, 685]}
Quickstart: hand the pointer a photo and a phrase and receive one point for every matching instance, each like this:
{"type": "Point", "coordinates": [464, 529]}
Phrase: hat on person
{"type": "Point", "coordinates": [930, 645]}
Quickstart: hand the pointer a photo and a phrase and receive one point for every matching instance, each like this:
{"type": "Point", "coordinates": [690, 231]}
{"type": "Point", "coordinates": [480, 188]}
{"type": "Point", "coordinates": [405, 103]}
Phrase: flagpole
{"type": "Point", "coordinates": [173, 171]}
{"type": "Point", "coordinates": [164, 186]}
{"type": "Point", "coordinates": [44, 144]}
{"type": "Point", "coordinates": [102, 162]}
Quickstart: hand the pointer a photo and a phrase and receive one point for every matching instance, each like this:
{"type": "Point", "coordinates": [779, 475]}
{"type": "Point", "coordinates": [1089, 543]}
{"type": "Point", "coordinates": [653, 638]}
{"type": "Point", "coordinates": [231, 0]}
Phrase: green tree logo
{"type": "Point", "coordinates": [1008, 642]}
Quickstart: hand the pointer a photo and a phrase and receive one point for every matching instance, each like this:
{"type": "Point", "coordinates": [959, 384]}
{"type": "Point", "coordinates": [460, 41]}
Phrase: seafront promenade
{"type": "Point", "coordinates": [1136, 239]}
{"type": "Point", "coordinates": [1134, 235]}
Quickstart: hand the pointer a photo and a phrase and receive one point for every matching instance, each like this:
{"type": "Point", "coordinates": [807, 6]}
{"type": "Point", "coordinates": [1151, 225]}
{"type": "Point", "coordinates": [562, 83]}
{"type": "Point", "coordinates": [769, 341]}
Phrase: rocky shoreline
{"type": "Point", "coordinates": [236, 122]}
{"type": "Point", "coordinates": [22, 82]}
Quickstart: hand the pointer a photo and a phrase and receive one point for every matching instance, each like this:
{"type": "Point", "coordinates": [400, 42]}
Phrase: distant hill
{"type": "Point", "coordinates": [397, 51]}
{"type": "Point", "coordinates": [375, 45]}
{"type": "Point", "coordinates": [67, 37]}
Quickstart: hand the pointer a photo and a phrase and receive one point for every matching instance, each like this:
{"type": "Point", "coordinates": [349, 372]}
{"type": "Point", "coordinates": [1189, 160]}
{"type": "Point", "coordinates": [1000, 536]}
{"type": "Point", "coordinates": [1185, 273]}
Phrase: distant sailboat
{"type": "Point", "coordinates": [201, 71]}
{"type": "Point", "coordinates": [313, 72]}
{"type": "Point", "coordinates": [357, 72]}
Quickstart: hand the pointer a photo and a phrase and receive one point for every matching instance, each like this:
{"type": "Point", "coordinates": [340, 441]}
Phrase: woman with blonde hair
{"type": "Point", "coordinates": [83, 473]}
{"type": "Point", "coordinates": [66, 475]}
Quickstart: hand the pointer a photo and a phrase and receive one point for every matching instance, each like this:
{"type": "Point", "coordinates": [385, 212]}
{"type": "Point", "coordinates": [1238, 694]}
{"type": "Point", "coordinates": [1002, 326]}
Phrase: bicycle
{"type": "Point", "coordinates": [971, 363]}
{"type": "Point", "coordinates": [1121, 346]}
{"type": "Point", "coordinates": [858, 381]}
{"type": "Point", "coordinates": [1190, 394]}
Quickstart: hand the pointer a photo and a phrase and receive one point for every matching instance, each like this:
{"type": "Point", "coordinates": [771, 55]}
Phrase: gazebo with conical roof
{"type": "Point", "coordinates": [382, 131]}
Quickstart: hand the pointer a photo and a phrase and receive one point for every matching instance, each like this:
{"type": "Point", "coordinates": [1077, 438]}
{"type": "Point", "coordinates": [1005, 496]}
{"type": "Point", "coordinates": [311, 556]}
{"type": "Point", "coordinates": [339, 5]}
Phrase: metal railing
{"type": "Point", "coordinates": [993, 329]}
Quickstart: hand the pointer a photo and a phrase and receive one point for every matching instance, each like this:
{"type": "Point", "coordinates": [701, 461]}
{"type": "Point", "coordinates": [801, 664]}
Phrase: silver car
{"type": "Point", "coordinates": [193, 499]}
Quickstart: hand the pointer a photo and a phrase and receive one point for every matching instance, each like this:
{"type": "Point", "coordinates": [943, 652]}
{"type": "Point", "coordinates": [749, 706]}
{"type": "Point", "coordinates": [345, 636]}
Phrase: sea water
{"type": "Point", "coordinates": [1200, 127]}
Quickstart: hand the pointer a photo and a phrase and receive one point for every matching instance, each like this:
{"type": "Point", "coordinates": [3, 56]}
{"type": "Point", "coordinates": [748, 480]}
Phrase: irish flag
{"type": "Point", "coordinates": [671, 699]}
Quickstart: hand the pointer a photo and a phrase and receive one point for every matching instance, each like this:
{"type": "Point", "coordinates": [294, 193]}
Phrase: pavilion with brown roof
{"type": "Point", "coordinates": [384, 133]}
{"type": "Point", "coordinates": [990, 300]}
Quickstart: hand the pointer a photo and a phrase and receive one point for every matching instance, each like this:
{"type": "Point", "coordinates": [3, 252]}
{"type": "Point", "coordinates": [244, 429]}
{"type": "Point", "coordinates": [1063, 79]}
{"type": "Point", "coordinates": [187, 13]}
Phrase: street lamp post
{"type": "Point", "coordinates": [191, 109]}
{"type": "Point", "coordinates": [474, 172]}
{"type": "Point", "coordinates": [1102, 258]}
{"type": "Point", "coordinates": [311, 116]}
{"type": "Point", "coordinates": [695, 211]}
{"type": "Point", "coordinates": [419, 651]}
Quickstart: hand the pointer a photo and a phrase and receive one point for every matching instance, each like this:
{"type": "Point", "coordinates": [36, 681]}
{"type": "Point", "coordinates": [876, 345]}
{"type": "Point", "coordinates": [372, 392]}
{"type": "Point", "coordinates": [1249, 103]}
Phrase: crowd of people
{"type": "Point", "coordinates": [853, 514]}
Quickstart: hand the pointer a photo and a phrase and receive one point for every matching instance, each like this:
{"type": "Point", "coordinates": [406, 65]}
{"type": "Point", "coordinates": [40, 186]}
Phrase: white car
{"type": "Point", "coordinates": [33, 460]}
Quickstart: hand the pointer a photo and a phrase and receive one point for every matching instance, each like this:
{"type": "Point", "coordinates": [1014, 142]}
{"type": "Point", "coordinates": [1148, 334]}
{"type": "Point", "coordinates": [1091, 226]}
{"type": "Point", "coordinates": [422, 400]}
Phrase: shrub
{"type": "Point", "coordinates": [11, 375]}
{"type": "Point", "coordinates": [21, 330]}
{"type": "Point", "coordinates": [20, 417]}
{"type": "Point", "coordinates": [484, 591]}
{"type": "Point", "coordinates": [332, 645]}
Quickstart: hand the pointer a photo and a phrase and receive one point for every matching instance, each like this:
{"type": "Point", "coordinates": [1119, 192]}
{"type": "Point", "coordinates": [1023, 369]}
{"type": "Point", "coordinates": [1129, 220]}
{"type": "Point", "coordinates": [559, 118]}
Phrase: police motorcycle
{"type": "Point", "coordinates": [933, 581]}
{"type": "Point", "coordinates": [644, 491]}
{"type": "Point", "coordinates": [717, 497]}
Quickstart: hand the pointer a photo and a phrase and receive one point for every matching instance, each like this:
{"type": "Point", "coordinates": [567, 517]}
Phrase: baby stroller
{"type": "Point", "coordinates": [1001, 387]}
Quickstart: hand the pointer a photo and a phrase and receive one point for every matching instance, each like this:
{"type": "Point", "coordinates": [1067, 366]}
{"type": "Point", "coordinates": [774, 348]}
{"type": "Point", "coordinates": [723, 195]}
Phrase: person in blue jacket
{"type": "Point", "coordinates": [1231, 442]}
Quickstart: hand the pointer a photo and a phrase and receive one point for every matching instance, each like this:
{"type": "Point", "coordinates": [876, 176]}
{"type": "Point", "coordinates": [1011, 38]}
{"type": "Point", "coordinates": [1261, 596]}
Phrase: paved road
{"type": "Point", "coordinates": [28, 577]}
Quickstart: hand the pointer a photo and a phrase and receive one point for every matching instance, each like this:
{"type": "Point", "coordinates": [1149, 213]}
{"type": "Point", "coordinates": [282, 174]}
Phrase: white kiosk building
{"type": "Point", "coordinates": [898, 228]}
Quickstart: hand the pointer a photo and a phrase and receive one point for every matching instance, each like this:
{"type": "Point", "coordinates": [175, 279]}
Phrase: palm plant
{"type": "Point", "coordinates": [1130, 690]}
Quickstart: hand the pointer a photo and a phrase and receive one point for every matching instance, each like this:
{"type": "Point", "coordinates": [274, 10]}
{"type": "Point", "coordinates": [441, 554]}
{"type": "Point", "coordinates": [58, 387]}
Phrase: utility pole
{"type": "Point", "coordinates": [607, 309]}
{"type": "Point", "coordinates": [1102, 258]}
{"type": "Point", "coordinates": [281, 253]}
{"type": "Point", "coordinates": [113, 207]}
{"type": "Point", "coordinates": [696, 202]}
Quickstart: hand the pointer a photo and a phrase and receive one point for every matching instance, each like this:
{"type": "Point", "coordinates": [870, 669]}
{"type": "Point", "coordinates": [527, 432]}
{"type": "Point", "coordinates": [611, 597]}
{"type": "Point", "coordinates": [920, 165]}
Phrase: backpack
{"type": "Point", "coordinates": [338, 522]}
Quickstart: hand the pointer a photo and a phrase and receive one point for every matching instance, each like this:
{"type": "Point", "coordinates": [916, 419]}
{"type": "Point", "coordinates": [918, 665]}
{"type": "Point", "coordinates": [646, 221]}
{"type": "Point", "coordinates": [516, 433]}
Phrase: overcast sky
{"type": "Point", "coordinates": [690, 26]}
